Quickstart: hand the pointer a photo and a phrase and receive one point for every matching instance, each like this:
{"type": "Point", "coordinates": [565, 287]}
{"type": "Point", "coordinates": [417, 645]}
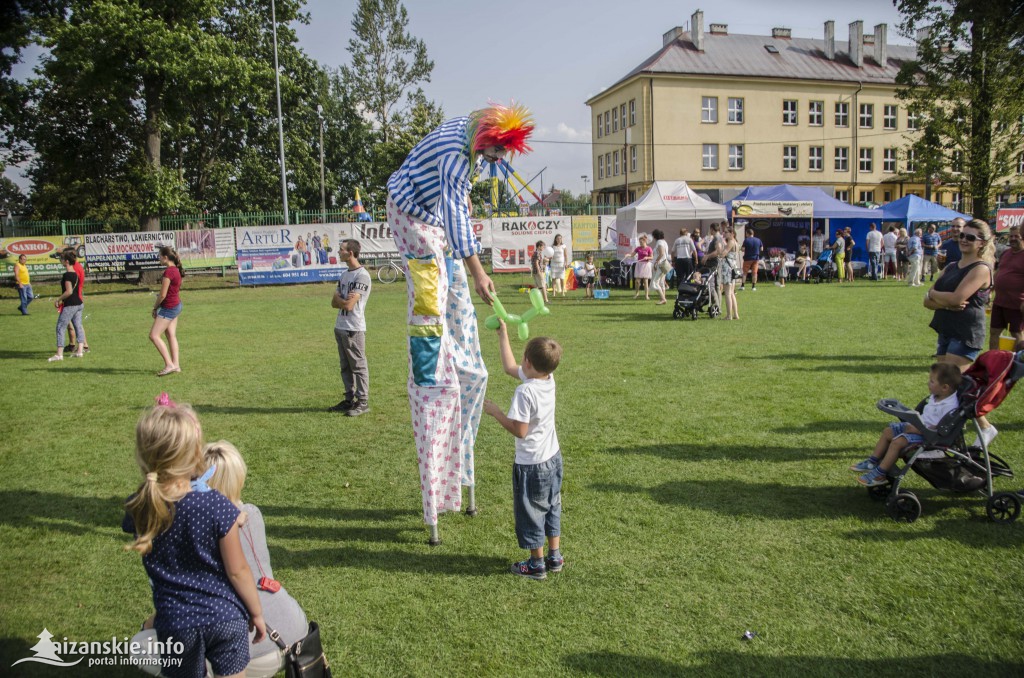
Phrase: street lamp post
{"type": "Point", "coordinates": [280, 122]}
{"type": "Point", "coordinates": [323, 195]}
{"type": "Point", "coordinates": [585, 180]}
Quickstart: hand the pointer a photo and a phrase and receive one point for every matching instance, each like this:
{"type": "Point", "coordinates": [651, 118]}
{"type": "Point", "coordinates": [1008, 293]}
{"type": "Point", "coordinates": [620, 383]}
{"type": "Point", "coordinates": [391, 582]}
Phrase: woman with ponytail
{"type": "Point", "coordinates": [203, 591]}
{"type": "Point", "coordinates": [166, 312]}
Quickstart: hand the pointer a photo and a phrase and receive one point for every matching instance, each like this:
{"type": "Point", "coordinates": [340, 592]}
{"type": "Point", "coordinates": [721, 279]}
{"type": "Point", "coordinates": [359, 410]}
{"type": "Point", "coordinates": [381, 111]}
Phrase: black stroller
{"type": "Point", "coordinates": [944, 459]}
{"type": "Point", "coordinates": [615, 273]}
{"type": "Point", "coordinates": [824, 269]}
{"type": "Point", "coordinates": [694, 296]}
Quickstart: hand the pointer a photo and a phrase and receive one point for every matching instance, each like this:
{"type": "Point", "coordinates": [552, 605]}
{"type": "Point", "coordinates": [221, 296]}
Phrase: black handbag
{"type": "Point", "coordinates": [305, 658]}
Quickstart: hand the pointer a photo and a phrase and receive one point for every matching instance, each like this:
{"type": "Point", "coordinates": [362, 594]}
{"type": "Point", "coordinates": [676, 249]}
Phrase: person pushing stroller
{"type": "Point", "coordinates": [943, 381]}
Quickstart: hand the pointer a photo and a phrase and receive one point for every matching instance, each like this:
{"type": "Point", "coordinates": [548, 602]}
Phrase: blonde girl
{"type": "Point", "coordinates": [203, 591]}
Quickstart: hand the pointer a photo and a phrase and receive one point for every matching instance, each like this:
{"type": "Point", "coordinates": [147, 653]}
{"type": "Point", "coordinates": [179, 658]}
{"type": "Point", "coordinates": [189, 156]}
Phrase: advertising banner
{"type": "Point", "coordinates": [115, 252]}
{"type": "Point", "coordinates": [281, 255]}
{"type": "Point", "coordinates": [1007, 217]}
{"type": "Point", "coordinates": [773, 209]}
{"type": "Point", "coordinates": [513, 240]}
{"type": "Point", "coordinates": [375, 239]}
{"type": "Point", "coordinates": [482, 231]}
{"type": "Point", "coordinates": [206, 247]}
{"type": "Point", "coordinates": [586, 233]}
{"type": "Point", "coordinates": [41, 253]}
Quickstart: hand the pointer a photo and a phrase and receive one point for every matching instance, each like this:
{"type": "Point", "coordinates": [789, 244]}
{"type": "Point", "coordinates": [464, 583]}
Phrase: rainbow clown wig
{"type": "Point", "coordinates": [506, 126]}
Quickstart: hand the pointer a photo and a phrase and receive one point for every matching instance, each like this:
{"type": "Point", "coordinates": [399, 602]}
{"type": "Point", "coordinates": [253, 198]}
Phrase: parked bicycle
{"type": "Point", "coordinates": [389, 272]}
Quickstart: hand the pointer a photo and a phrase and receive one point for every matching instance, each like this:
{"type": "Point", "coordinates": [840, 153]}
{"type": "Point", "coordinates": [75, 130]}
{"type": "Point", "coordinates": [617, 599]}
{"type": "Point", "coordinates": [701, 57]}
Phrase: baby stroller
{"type": "Point", "coordinates": [695, 296]}
{"type": "Point", "coordinates": [824, 269]}
{"type": "Point", "coordinates": [944, 459]}
{"type": "Point", "coordinates": [614, 273]}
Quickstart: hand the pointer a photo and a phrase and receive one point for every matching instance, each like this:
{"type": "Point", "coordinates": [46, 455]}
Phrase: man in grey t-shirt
{"type": "Point", "coordinates": [350, 330]}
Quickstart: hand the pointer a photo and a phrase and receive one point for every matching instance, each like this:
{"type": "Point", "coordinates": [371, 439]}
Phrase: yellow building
{"type": "Point", "coordinates": [724, 111]}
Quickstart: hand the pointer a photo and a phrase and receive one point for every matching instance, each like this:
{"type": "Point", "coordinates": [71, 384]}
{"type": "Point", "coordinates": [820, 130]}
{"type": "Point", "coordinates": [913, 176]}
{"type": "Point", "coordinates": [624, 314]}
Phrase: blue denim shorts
{"type": "Point", "coordinates": [169, 313]}
{"type": "Point", "coordinates": [947, 344]}
{"type": "Point", "coordinates": [898, 429]}
{"type": "Point", "coordinates": [537, 501]}
{"type": "Point", "coordinates": [225, 645]}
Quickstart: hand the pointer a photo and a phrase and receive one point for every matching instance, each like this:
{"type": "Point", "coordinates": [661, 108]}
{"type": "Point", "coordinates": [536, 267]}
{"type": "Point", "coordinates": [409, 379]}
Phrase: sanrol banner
{"type": "Point", "coordinates": [1005, 218]}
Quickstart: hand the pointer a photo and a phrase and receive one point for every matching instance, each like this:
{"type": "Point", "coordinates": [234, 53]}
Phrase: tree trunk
{"type": "Point", "coordinates": [153, 86]}
{"type": "Point", "coordinates": [981, 120]}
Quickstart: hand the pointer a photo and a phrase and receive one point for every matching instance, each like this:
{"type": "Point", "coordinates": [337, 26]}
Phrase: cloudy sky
{"type": "Point", "coordinates": [553, 55]}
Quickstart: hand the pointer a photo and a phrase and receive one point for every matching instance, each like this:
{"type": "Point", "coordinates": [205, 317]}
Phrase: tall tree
{"type": "Point", "coordinates": [967, 83]}
{"type": "Point", "coordinates": [388, 63]}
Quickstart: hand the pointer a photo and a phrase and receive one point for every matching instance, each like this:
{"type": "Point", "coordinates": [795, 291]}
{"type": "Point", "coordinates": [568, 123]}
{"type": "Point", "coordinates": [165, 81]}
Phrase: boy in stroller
{"type": "Point", "coordinates": [695, 294]}
{"type": "Point", "coordinates": [943, 381]}
{"type": "Point", "coordinates": [824, 269]}
{"type": "Point", "coordinates": [940, 455]}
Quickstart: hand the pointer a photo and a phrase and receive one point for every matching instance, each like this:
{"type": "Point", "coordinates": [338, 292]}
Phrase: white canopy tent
{"type": "Point", "coordinates": [668, 205]}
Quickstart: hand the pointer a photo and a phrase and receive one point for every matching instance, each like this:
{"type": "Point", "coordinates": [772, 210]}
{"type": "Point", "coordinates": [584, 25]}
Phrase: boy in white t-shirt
{"type": "Point", "coordinates": [537, 472]}
{"type": "Point", "coordinates": [943, 382]}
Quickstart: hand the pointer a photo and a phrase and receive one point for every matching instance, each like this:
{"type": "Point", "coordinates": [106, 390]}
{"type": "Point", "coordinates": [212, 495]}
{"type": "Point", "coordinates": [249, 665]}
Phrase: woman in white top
{"type": "Point", "coordinates": [557, 257]}
{"type": "Point", "coordinates": [662, 265]}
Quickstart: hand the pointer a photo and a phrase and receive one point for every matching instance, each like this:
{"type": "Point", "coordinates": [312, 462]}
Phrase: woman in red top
{"type": "Point", "coordinates": [166, 312]}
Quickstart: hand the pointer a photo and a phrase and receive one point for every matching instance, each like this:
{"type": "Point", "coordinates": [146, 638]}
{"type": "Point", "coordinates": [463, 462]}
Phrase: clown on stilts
{"type": "Point", "coordinates": [428, 212]}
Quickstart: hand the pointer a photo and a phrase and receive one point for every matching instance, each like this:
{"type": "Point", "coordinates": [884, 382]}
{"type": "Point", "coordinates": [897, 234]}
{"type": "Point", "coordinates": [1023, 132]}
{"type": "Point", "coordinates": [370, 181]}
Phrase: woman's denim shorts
{"type": "Point", "coordinates": [169, 313]}
{"type": "Point", "coordinates": [947, 344]}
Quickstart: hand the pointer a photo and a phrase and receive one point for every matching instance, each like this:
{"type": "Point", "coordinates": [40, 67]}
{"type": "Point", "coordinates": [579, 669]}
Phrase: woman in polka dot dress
{"type": "Point", "coordinates": [203, 590]}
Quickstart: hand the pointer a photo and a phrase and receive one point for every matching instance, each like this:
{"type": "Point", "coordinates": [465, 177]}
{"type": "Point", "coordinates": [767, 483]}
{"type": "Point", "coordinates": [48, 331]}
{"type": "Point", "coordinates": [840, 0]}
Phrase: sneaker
{"type": "Point", "coordinates": [988, 435]}
{"type": "Point", "coordinates": [344, 406]}
{"type": "Point", "coordinates": [873, 478]}
{"type": "Point", "coordinates": [77, 355]}
{"type": "Point", "coordinates": [361, 407]}
{"type": "Point", "coordinates": [754, 288]}
{"type": "Point", "coordinates": [864, 466]}
{"type": "Point", "coordinates": [524, 569]}
{"type": "Point", "coordinates": [741, 288]}
{"type": "Point", "coordinates": [554, 564]}
{"type": "Point", "coordinates": [778, 284]}
{"type": "Point", "coordinates": [54, 358]}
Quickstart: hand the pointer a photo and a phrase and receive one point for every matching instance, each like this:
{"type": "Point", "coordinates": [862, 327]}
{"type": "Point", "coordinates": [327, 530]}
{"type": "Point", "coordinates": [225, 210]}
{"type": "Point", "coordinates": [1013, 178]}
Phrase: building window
{"type": "Point", "coordinates": [622, 116]}
{"type": "Point", "coordinates": [607, 122]}
{"type": "Point", "coordinates": [912, 119]}
{"type": "Point", "coordinates": [709, 109]}
{"type": "Point", "coordinates": [843, 196]}
{"type": "Point", "coordinates": [736, 112]}
{"type": "Point", "coordinates": [887, 196]}
{"type": "Point", "coordinates": [816, 114]}
{"type": "Point", "coordinates": [615, 120]}
{"type": "Point", "coordinates": [608, 165]}
{"type": "Point", "coordinates": [890, 116]}
{"type": "Point", "coordinates": [866, 160]}
{"type": "Point", "coordinates": [957, 162]}
{"type": "Point", "coordinates": [600, 125]}
{"type": "Point", "coordinates": [867, 196]}
{"type": "Point", "coordinates": [1020, 164]}
{"type": "Point", "coordinates": [911, 161]}
{"type": "Point", "coordinates": [842, 114]}
{"type": "Point", "coordinates": [816, 158]}
{"type": "Point", "coordinates": [789, 111]}
{"type": "Point", "coordinates": [632, 112]}
{"type": "Point", "coordinates": [867, 116]}
{"type": "Point", "coordinates": [615, 162]}
{"type": "Point", "coordinates": [600, 167]}
{"type": "Point", "coordinates": [789, 161]}
{"type": "Point", "coordinates": [842, 159]}
{"type": "Point", "coordinates": [735, 156]}
{"type": "Point", "coordinates": [709, 157]}
{"type": "Point", "coordinates": [632, 158]}
{"type": "Point", "coordinates": [889, 161]}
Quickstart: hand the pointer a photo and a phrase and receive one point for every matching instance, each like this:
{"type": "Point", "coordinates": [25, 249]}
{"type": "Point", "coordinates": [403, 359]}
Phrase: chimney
{"type": "Point", "coordinates": [830, 40]}
{"type": "Point", "coordinates": [857, 43]}
{"type": "Point", "coordinates": [881, 49]}
{"type": "Point", "coordinates": [719, 29]}
{"type": "Point", "coordinates": [784, 33]}
{"type": "Point", "coordinates": [697, 30]}
{"type": "Point", "coordinates": [671, 36]}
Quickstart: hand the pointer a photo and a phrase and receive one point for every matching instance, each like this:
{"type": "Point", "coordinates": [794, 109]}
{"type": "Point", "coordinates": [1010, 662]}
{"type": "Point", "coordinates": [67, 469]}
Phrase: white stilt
{"type": "Point", "coordinates": [471, 504]}
{"type": "Point", "coordinates": [435, 537]}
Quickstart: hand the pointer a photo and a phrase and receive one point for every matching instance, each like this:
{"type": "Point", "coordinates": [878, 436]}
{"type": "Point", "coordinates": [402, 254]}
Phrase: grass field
{"type": "Point", "coordinates": [706, 491]}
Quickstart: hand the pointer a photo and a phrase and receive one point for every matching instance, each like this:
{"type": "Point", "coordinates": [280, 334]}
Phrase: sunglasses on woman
{"type": "Point", "coordinates": [970, 237]}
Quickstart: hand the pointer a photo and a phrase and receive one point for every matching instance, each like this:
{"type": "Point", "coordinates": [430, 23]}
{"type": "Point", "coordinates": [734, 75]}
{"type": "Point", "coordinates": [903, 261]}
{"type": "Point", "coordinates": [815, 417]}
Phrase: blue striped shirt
{"type": "Point", "coordinates": [433, 185]}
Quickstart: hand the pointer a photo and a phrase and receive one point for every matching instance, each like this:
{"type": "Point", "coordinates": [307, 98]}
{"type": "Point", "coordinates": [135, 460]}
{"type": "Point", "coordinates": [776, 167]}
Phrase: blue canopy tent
{"type": "Point", "coordinates": [828, 213]}
{"type": "Point", "coordinates": [911, 208]}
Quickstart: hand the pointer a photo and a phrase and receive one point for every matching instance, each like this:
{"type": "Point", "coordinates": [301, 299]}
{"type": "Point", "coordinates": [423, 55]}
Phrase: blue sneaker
{"type": "Point", "coordinates": [524, 569]}
{"type": "Point", "coordinates": [864, 466]}
{"type": "Point", "coordinates": [554, 564]}
{"type": "Point", "coordinates": [873, 478]}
